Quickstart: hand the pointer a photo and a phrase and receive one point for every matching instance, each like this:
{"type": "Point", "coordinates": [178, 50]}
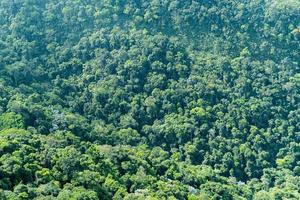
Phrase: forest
{"type": "Point", "coordinates": [149, 100]}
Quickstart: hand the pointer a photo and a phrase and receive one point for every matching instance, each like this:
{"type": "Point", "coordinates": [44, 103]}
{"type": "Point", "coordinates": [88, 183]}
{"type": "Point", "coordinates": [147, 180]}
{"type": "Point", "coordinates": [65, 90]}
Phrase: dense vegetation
{"type": "Point", "coordinates": [149, 99]}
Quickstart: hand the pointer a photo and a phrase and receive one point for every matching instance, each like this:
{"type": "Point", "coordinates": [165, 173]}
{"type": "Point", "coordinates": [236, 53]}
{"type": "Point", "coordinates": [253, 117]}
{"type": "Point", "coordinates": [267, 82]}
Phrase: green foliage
{"type": "Point", "coordinates": [136, 99]}
{"type": "Point", "coordinates": [11, 120]}
{"type": "Point", "coordinates": [13, 131]}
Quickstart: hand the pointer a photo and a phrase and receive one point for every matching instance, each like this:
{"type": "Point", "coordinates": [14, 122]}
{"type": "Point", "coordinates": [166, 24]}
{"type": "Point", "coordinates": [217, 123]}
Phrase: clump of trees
{"type": "Point", "coordinates": [149, 99]}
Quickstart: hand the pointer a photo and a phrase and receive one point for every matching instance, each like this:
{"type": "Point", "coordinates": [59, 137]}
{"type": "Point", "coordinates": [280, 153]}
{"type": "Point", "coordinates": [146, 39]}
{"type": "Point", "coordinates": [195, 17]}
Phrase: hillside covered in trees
{"type": "Point", "coordinates": [149, 99]}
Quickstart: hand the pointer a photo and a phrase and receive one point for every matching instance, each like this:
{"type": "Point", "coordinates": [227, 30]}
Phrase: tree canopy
{"type": "Point", "coordinates": [157, 99]}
